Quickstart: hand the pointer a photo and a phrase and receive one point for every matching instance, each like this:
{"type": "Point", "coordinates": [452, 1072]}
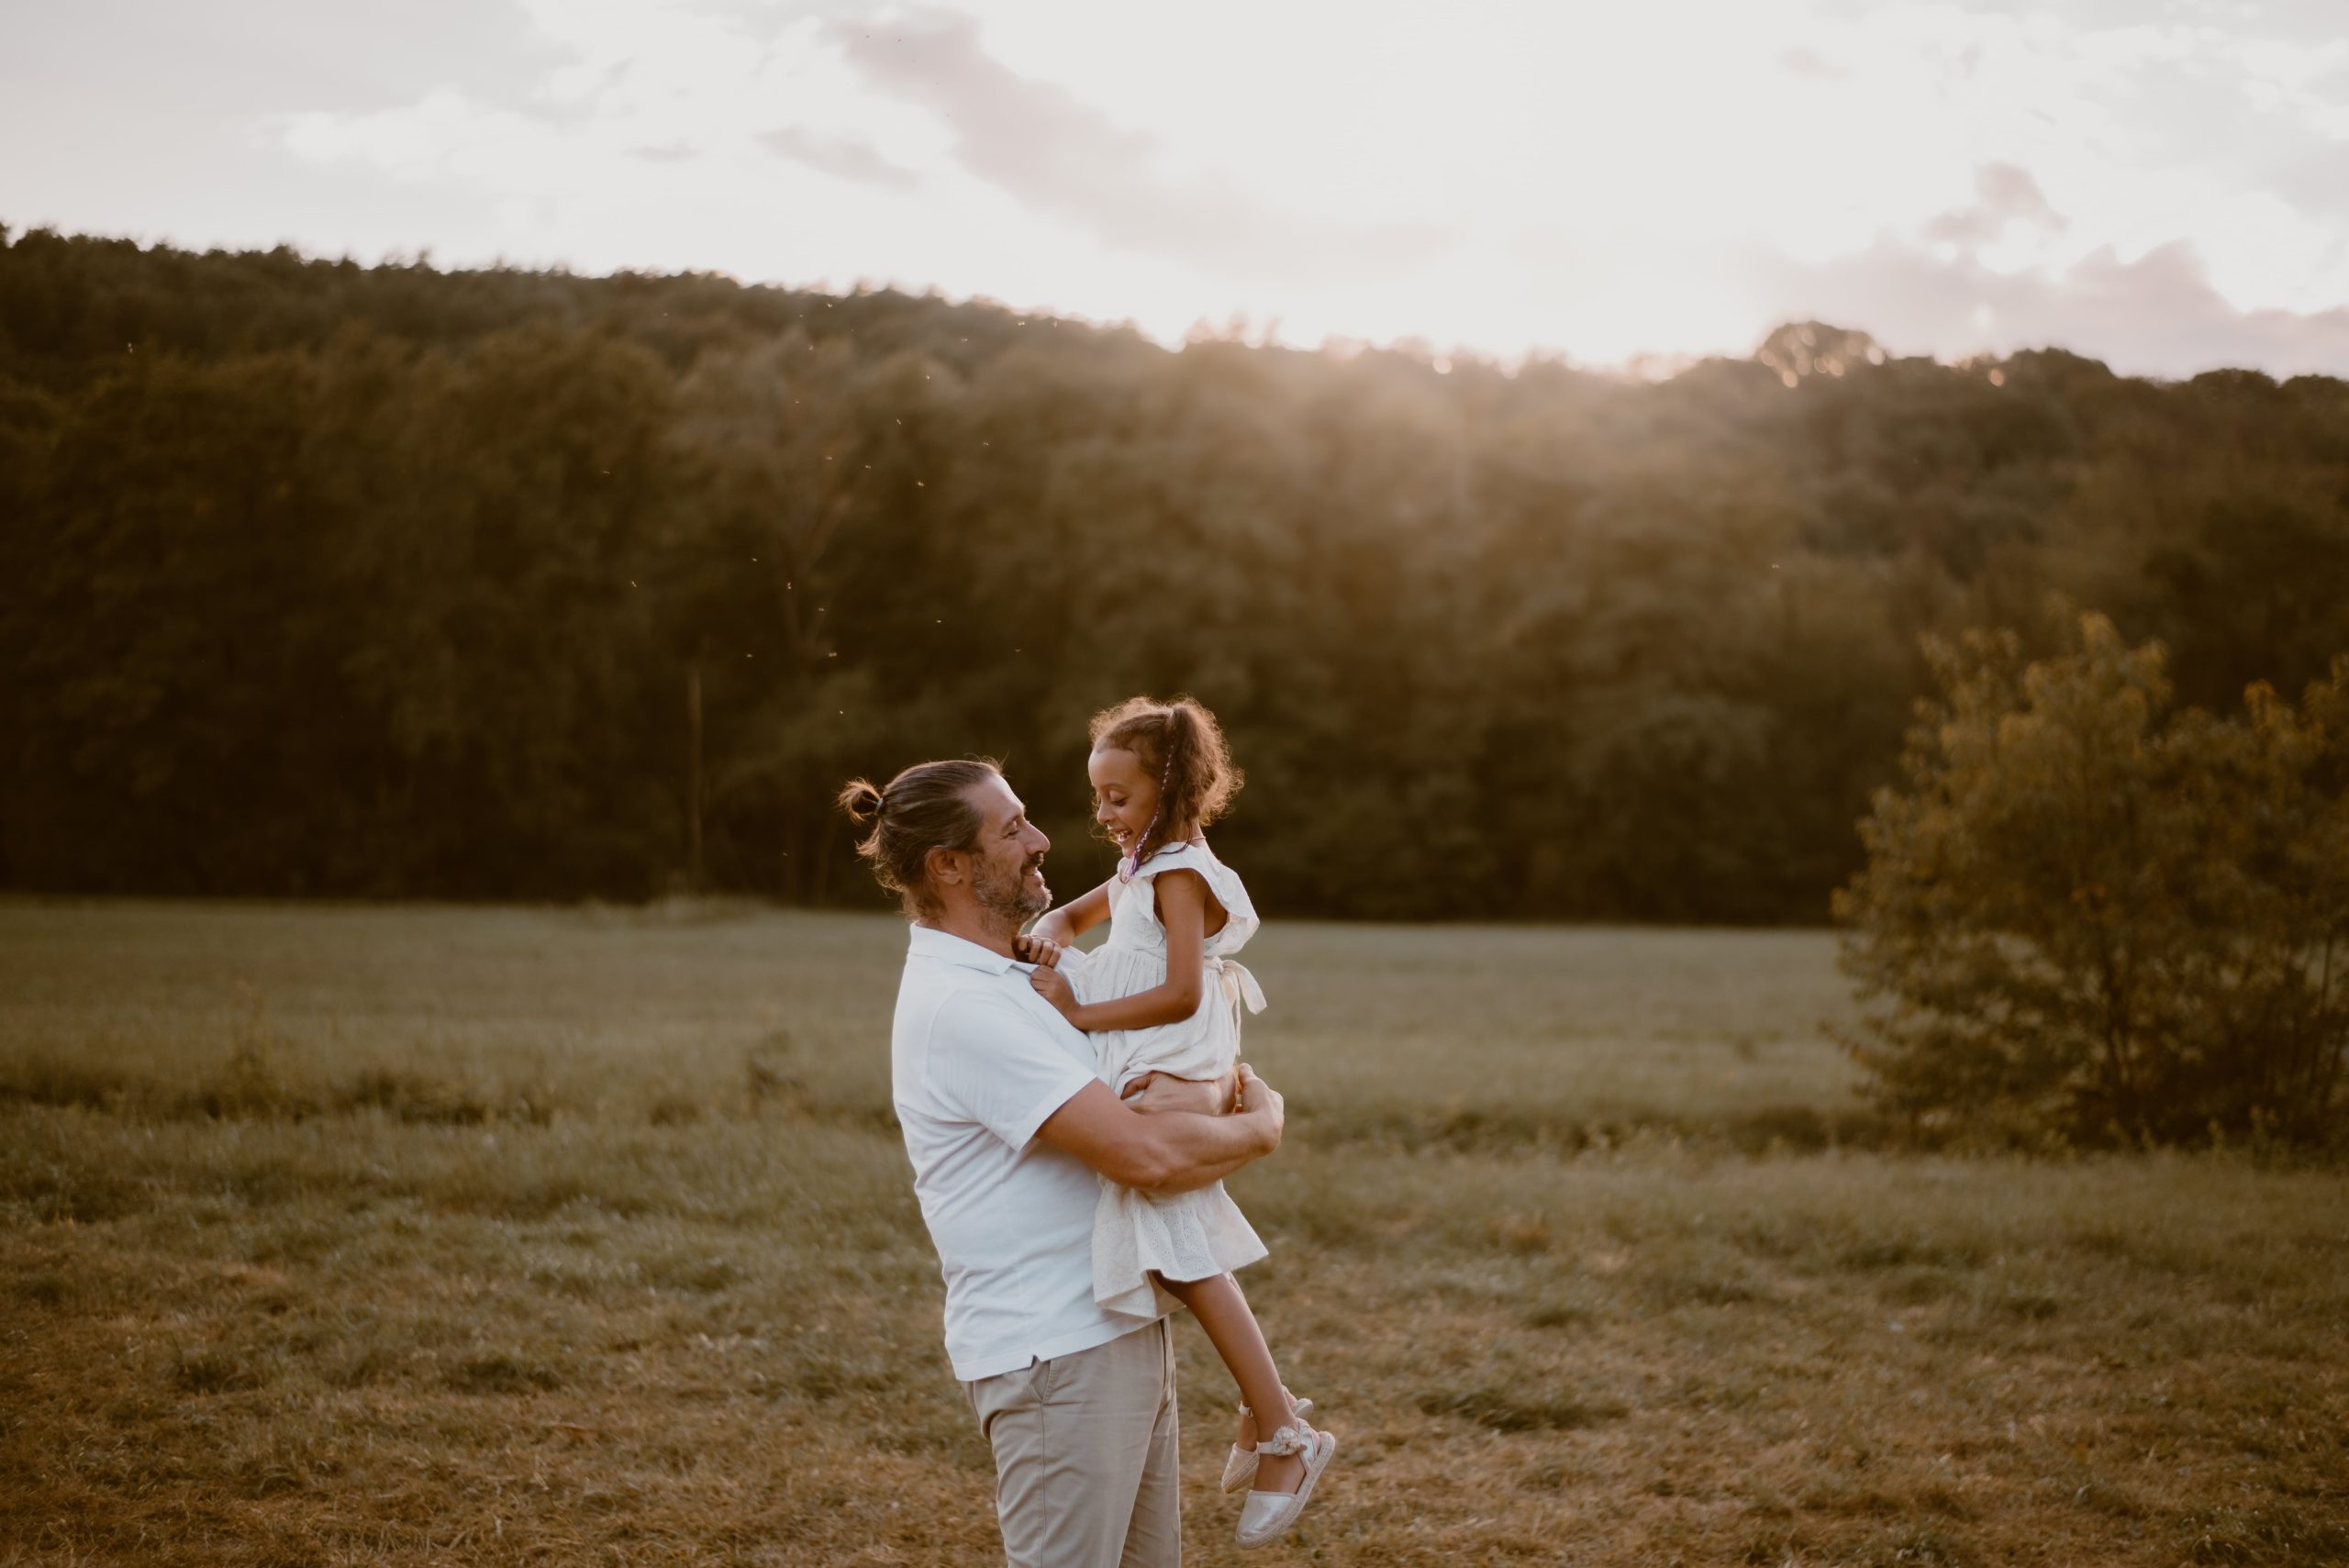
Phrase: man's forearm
{"type": "Point", "coordinates": [1198, 1149]}
{"type": "Point", "coordinates": [1205, 1175]}
{"type": "Point", "coordinates": [1171, 1153]}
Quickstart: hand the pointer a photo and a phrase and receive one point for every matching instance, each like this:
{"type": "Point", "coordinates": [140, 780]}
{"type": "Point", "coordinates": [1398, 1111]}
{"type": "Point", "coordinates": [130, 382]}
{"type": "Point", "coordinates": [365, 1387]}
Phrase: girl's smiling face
{"type": "Point", "coordinates": [1125, 795]}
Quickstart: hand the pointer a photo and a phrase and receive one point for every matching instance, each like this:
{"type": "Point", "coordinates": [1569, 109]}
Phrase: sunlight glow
{"type": "Point", "coordinates": [1606, 180]}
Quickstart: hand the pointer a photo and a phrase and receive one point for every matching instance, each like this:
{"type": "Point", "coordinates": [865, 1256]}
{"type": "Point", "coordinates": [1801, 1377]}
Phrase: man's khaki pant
{"type": "Point", "coordinates": [1085, 1456]}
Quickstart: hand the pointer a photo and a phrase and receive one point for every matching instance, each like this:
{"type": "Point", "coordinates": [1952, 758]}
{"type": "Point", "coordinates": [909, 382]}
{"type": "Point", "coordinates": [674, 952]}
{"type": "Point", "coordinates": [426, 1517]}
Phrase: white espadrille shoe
{"type": "Point", "coordinates": [1239, 1464]}
{"type": "Point", "coordinates": [1266, 1516]}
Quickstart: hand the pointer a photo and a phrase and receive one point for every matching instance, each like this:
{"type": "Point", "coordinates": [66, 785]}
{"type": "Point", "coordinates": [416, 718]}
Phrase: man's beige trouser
{"type": "Point", "coordinates": [1085, 1456]}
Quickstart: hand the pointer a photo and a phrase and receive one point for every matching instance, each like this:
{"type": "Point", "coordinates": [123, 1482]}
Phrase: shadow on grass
{"type": "Point", "coordinates": [1501, 1128]}
{"type": "Point", "coordinates": [497, 1372]}
{"type": "Point", "coordinates": [2276, 1532]}
{"type": "Point", "coordinates": [1501, 1411]}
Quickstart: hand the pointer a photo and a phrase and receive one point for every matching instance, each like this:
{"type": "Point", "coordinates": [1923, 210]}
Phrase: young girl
{"type": "Point", "coordinates": [1164, 995]}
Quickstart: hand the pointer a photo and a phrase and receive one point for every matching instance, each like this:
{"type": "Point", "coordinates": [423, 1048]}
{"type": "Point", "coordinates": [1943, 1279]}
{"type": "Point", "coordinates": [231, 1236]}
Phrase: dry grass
{"type": "Point", "coordinates": [431, 1235]}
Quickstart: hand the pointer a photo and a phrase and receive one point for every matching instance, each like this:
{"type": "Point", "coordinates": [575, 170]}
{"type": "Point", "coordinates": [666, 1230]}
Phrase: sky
{"type": "Point", "coordinates": [2163, 185]}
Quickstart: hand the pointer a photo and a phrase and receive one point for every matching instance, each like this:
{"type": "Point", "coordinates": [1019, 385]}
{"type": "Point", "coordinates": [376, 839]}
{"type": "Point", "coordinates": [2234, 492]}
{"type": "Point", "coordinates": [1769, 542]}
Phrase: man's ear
{"type": "Point", "coordinates": [946, 867]}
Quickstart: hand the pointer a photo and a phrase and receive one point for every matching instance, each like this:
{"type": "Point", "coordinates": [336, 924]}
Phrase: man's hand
{"type": "Point", "coordinates": [1157, 1092]}
{"type": "Point", "coordinates": [1259, 1098]}
{"type": "Point", "coordinates": [1053, 986]}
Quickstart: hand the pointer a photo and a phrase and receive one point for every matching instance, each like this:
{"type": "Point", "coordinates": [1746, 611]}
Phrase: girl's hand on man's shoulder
{"type": "Point", "coordinates": [1053, 986]}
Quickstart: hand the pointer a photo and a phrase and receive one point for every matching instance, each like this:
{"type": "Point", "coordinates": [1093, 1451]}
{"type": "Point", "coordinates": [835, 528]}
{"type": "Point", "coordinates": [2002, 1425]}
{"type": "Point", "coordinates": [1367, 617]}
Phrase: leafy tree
{"type": "Point", "coordinates": [171, 652]}
{"type": "Point", "coordinates": [493, 517]}
{"type": "Point", "coordinates": [2093, 916]}
{"type": "Point", "coordinates": [801, 510]}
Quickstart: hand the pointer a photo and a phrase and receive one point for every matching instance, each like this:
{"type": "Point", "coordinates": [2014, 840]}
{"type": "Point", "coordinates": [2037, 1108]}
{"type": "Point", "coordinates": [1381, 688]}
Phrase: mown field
{"type": "Point", "coordinates": [434, 1235]}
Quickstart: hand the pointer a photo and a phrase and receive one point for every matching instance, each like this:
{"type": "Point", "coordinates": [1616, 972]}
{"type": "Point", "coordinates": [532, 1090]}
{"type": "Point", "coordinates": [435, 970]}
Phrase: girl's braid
{"type": "Point", "coordinates": [1175, 783]}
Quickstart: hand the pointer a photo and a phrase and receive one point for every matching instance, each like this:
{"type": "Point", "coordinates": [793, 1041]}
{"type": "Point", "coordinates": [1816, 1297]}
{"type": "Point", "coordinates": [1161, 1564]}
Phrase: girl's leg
{"type": "Point", "coordinates": [1232, 1328]}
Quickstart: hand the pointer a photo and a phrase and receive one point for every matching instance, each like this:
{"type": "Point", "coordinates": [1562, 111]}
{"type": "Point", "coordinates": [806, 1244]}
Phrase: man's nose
{"type": "Point", "coordinates": [1043, 843]}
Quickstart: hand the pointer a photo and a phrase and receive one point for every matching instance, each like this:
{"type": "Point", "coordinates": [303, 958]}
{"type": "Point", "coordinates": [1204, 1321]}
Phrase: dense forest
{"type": "Point", "coordinates": [325, 579]}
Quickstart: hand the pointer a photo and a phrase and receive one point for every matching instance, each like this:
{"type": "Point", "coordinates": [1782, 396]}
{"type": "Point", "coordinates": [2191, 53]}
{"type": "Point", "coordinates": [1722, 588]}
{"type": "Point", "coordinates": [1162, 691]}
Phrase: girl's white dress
{"type": "Point", "coordinates": [1181, 1236]}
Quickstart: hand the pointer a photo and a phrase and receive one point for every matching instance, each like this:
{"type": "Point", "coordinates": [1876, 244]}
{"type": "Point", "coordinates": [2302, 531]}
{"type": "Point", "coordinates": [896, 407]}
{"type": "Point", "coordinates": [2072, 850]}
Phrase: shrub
{"type": "Point", "coordinates": [2100, 918]}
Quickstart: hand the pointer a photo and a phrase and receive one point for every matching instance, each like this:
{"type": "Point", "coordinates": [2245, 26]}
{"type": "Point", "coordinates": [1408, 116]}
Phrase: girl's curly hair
{"type": "Point", "coordinates": [1181, 743]}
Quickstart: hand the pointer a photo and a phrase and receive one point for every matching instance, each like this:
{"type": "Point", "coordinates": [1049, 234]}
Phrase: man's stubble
{"type": "Point", "coordinates": [1003, 897]}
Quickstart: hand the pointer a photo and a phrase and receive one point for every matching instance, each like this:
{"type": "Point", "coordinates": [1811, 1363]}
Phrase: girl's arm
{"type": "Point", "coordinates": [1079, 915]}
{"type": "Point", "coordinates": [1182, 910]}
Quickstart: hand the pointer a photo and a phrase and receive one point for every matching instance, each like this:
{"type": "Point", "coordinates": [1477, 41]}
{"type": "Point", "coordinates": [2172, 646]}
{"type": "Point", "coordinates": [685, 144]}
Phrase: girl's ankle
{"type": "Point", "coordinates": [1280, 1472]}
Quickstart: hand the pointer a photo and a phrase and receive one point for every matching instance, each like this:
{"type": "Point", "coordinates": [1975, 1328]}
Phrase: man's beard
{"type": "Point", "coordinates": [1002, 896]}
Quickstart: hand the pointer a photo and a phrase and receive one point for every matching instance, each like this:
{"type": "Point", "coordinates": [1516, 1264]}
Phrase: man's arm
{"type": "Point", "coordinates": [1165, 1153]}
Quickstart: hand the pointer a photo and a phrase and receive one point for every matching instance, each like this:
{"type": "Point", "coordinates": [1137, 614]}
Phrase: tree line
{"type": "Point", "coordinates": [325, 579]}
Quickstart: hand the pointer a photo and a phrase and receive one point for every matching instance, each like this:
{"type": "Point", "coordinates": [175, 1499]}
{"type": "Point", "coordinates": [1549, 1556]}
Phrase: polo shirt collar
{"type": "Point", "coordinates": [928, 941]}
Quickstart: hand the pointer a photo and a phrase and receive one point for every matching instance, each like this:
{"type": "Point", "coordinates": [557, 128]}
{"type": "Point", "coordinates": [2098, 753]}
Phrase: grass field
{"type": "Point", "coordinates": [428, 1235]}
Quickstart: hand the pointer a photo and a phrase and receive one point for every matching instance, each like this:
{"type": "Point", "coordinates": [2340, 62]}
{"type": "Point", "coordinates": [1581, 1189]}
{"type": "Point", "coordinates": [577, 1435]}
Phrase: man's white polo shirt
{"type": "Point", "coordinates": [978, 1062]}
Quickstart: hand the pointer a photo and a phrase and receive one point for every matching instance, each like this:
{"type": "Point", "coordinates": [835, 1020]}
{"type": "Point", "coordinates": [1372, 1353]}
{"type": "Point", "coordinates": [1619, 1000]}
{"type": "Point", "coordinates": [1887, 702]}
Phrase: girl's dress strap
{"type": "Point", "coordinates": [1179, 855]}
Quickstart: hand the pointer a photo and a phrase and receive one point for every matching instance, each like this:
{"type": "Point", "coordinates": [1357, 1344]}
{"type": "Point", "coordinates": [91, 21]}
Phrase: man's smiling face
{"type": "Point", "coordinates": [1008, 867]}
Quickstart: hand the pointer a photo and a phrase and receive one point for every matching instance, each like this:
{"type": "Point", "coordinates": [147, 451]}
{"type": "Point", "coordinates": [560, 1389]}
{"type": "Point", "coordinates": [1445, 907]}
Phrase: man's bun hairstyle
{"type": "Point", "coordinates": [862, 800]}
{"type": "Point", "coordinates": [925, 807]}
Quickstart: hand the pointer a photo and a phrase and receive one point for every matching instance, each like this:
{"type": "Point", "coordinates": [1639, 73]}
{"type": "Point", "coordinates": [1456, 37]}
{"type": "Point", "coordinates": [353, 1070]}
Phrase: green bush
{"type": "Point", "coordinates": [2092, 917]}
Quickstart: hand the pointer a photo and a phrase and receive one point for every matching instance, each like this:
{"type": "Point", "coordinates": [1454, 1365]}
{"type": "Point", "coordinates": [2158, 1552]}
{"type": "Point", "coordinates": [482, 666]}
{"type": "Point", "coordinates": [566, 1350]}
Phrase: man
{"type": "Point", "coordinates": [1007, 1126]}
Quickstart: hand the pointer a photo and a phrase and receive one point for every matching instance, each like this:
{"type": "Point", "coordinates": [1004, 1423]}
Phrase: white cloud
{"type": "Point", "coordinates": [1052, 151]}
{"type": "Point", "coordinates": [2155, 314]}
{"type": "Point", "coordinates": [844, 156]}
{"type": "Point", "coordinates": [2155, 181]}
